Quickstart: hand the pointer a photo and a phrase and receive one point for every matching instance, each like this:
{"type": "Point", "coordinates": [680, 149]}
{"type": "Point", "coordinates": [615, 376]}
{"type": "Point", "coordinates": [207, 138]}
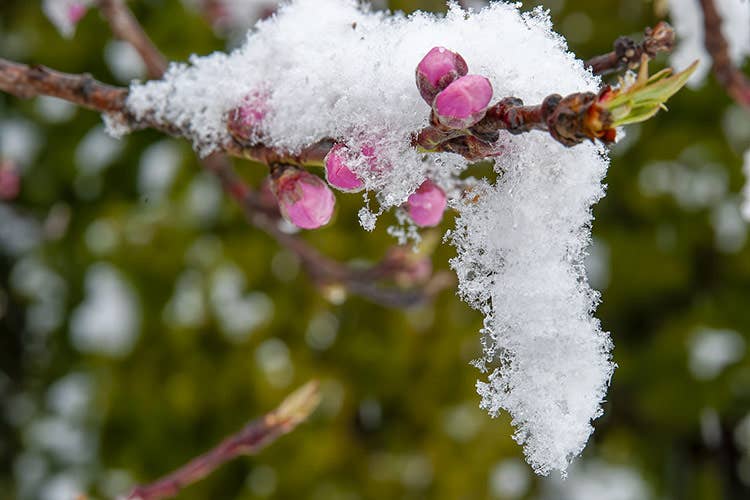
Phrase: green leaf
{"type": "Point", "coordinates": [646, 96]}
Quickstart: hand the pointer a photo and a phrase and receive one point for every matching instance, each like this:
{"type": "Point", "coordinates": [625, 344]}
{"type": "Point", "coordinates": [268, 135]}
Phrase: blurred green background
{"type": "Point", "coordinates": [142, 320]}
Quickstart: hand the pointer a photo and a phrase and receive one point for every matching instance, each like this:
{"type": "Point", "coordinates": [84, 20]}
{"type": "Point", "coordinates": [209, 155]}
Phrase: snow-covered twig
{"type": "Point", "coordinates": [26, 81]}
{"type": "Point", "coordinates": [729, 76]}
{"type": "Point", "coordinates": [249, 440]}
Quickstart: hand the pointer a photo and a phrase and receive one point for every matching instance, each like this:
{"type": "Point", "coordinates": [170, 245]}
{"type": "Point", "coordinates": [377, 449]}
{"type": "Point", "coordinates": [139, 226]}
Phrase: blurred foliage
{"type": "Point", "coordinates": [399, 418]}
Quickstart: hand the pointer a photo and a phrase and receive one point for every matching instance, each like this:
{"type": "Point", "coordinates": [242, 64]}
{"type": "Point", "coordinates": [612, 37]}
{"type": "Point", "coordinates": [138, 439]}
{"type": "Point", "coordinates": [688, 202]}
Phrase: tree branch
{"type": "Point", "coordinates": [729, 76]}
{"type": "Point", "coordinates": [30, 81]}
{"type": "Point", "coordinates": [627, 53]}
{"type": "Point", "coordinates": [125, 26]}
{"type": "Point", "coordinates": [569, 120]}
{"type": "Point", "coordinates": [26, 81]}
{"type": "Point", "coordinates": [249, 440]}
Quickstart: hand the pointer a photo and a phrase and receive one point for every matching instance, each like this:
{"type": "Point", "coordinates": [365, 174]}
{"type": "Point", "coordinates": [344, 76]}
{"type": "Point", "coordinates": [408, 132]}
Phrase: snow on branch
{"type": "Point", "coordinates": [349, 76]}
{"type": "Point", "coordinates": [330, 83]}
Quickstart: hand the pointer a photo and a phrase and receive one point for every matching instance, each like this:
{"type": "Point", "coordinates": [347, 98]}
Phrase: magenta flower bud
{"type": "Point", "coordinates": [437, 70]}
{"type": "Point", "coordinates": [463, 102]}
{"type": "Point", "coordinates": [338, 174]}
{"type": "Point", "coordinates": [426, 205]}
{"type": "Point", "coordinates": [304, 199]}
{"type": "Point", "coordinates": [244, 121]}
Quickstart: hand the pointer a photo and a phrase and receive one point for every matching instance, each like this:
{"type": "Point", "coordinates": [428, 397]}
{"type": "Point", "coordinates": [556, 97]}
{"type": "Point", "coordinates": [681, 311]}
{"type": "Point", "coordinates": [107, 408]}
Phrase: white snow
{"type": "Point", "coordinates": [238, 312]}
{"type": "Point", "coordinates": [108, 320]}
{"type": "Point", "coordinates": [335, 70]}
{"type": "Point", "coordinates": [157, 169]}
{"type": "Point", "coordinates": [97, 151]}
{"type": "Point", "coordinates": [124, 61]}
{"type": "Point", "coordinates": [520, 251]}
{"type": "Point", "coordinates": [599, 480]}
{"type": "Point", "coordinates": [712, 350]}
{"type": "Point", "coordinates": [509, 479]}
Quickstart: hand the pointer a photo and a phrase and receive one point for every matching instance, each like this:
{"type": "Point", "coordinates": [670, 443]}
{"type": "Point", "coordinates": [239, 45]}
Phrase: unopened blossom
{"type": "Point", "coordinates": [426, 205]}
{"type": "Point", "coordinates": [463, 102]}
{"type": "Point", "coordinates": [245, 120]}
{"type": "Point", "coordinates": [10, 181]}
{"type": "Point", "coordinates": [437, 70]}
{"type": "Point", "coordinates": [338, 174]}
{"type": "Point", "coordinates": [304, 199]}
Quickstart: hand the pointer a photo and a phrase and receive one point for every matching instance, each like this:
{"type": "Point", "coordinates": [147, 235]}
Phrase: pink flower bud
{"type": "Point", "coordinates": [426, 205]}
{"type": "Point", "coordinates": [10, 181]}
{"type": "Point", "coordinates": [304, 199]}
{"type": "Point", "coordinates": [76, 11]}
{"type": "Point", "coordinates": [463, 102]}
{"type": "Point", "coordinates": [244, 121]}
{"type": "Point", "coordinates": [338, 174]}
{"type": "Point", "coordinates": [437, 70]}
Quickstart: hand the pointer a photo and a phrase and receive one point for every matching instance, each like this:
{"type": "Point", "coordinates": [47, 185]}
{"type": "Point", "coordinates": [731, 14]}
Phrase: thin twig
{"type": "Point", "coordinates": [729, 76]}
{"type": "Point", "coordinates": [249, 440]}
{"type": "Point", "coordinates": [627, 53]}
{"type": "Point", "coordinates": [125, 26]}
{"type": "Point", "coordinates": [26, 81]}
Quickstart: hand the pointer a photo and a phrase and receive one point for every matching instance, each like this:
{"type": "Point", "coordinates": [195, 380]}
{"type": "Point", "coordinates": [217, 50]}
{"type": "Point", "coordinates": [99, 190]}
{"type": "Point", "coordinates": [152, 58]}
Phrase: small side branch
{"type": "Point", "coordinates": [627, 53]}
{"type": "Point", "coordinates": [729, 76]}
{"type": "Point", "coordinates": [126, 27]}
{"type": "Point", "coordinates": [249, 440]}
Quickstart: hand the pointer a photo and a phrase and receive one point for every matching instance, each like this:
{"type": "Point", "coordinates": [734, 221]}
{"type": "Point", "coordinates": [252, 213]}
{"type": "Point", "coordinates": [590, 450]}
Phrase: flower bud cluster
{"type": "Point", "coordinates": [425, 206]}
{"type": "Point", "coordinates": [459, 101]}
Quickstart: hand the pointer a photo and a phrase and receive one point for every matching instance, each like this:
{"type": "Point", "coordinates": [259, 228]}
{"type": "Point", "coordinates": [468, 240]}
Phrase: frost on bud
{"type": "Point", "coordinates": [437, 70]}
{"type": "Point", "coordinates": [426, 205]}
{"type": "Point", "coordinates": [244, 121]}
{"type": "Point", "coordinates": [464, 102]}
{"type": "Point", "coordinates": [65, 14]}
{"type": "Point", "coordinates": [338, 174]}
{"type": "Point", "coordinates": [304, 199]}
